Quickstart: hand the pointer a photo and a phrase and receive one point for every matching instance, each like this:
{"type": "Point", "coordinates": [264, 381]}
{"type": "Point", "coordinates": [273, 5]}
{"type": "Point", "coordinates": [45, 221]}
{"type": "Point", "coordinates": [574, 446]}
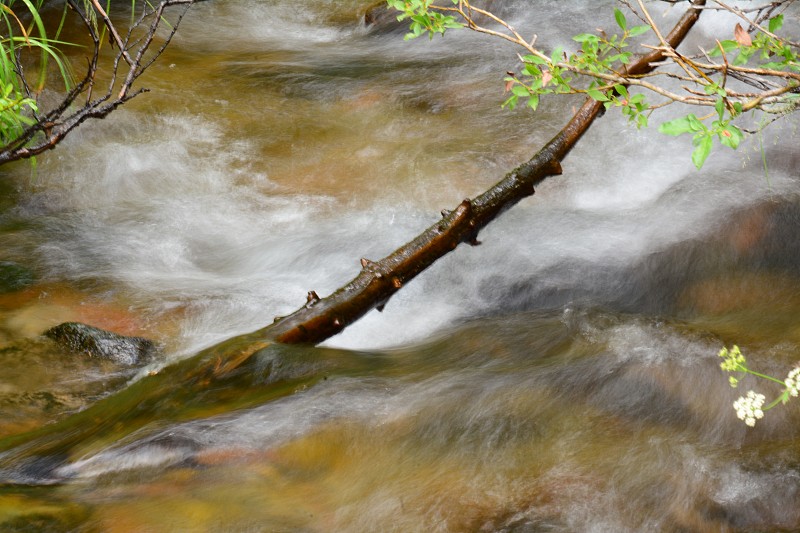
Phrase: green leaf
{"type": "Point", "coordinates": [638, 30]}
{"type": "Point", "coordinates": [520, 90]}
{"type": "Point", "coordinates": [511, 102]}
{"type": "Point", "coordinates": [695, 124]}
{"type": "Point", "coordinates": [620, 17]}
{"type": "Point", "coordinates": [532, 70]}
{"type": "Point", "coordinates": [720, 107]}
{"type": "Point", "coordinates": [533, 102]}
{"type": "Point", "coordinates": [700, 153]}
{"type": "Point", "coordinates": [731, 137]}
{"type": "Point", "coordinates": [536, 60]}
{"type": "Point", "coordinates": [585, 37]}
{"type": "Point", "coordinates": [727, 46]}
{"type": "Point", "coordinates": [624, 58]}
{"type": "Point", "coordinates": [775, 23]}
{"type": "Point", "coordinates": [676, 127]}
{"type": "Point", "coordinates": [597, 95]}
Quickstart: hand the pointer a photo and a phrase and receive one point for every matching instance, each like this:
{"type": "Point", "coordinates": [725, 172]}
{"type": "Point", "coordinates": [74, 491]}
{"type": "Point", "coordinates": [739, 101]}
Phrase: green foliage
{"type": "Point", "coordinates": [703, 136]}
{"type": "Point", "coordinates": [423, 19]}
{"type": "Point", "coordinates": [17, 106]}
{"type": "Point", "coordinates": [597, 69]}
{"type": "Point", "coordinates": [769, 52]}
{"type": "Point", "coordinates": [774, 54]}
{"type": "Point", "coordinates": [633, 106]}
{"type": "Point", "coordinates": [560, 73]}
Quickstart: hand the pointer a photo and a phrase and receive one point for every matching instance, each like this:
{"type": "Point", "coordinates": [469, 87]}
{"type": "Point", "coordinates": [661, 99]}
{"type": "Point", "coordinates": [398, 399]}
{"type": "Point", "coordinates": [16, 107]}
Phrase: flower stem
{"type": "Point", "coordinates": [764, 376]}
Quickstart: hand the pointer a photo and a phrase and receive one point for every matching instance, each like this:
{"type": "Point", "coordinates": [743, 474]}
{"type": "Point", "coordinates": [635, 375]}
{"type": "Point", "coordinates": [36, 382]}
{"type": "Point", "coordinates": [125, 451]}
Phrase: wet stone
{"type": "Point", "coordinates": [381, 18]}
{"type": "Point", "coordinates": [103, 344]}
{"type": "Point", "coordinates": [14, 277]}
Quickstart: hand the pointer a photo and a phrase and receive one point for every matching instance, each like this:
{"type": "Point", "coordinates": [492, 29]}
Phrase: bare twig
{"type": "Point", "coordinates": [53, 125]}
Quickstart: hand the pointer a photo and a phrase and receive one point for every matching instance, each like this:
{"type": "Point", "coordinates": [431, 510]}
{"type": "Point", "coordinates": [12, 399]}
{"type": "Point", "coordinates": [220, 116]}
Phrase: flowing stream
{"type": "Point", "coordinates": [562, 376]}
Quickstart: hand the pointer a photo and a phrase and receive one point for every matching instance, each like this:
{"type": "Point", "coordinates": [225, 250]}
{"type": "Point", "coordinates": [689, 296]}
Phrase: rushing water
{"type": "Point", "coordinates": [560, 377]}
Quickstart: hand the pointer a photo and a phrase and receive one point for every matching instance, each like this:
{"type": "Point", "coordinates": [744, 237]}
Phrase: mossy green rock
{"type": "Point", "coordinates": [97, 342]}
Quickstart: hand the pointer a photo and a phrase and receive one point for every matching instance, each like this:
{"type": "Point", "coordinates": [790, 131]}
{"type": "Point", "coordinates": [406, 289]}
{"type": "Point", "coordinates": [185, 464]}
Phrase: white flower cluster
{"type": "Point", "coordinates": [793, 382]}
{"type": "Point", "coordinates": [749, 408]}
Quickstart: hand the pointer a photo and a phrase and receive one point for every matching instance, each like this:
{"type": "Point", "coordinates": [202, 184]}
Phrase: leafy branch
{"type": "Point", "coordinates": [26, 129]}
{"type": "Point", "coordinates": [765, 67]}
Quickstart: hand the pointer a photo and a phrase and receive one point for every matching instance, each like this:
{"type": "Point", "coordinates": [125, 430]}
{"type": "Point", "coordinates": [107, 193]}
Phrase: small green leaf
{"type": "Point", "coordinates": [620, 17]}
{"type": "Point", "coordinates": [731, 137]}
{"type": "Point", "coordinates": [511, 102]}
{"type": "Point", "coordinates": [727, 46]}
{"type": "Point", "coordinates": [520, 90]}
{"type": "Point", "coordinates": [532, 70]}
{"type": "Point", "coordinates": [638, 30]}
{"type": "Point", "coordinates": [585, 37]}
{"type": "Point", "coordinates": [695, 124]}
{"type": "Point", "coordinates": [536, 60]}
{"type": "Point", "coordinates": [700, 153]}
{"type": "Point", "coordinates": [623, 58]}
{"type": "Point", "coordinates": [676, 127]}
{"type": "Point", "coordinates": [720, 107]}
{"type": "Point", "coordinates": [775, 23]}
{"type": "Point", "coordinates": [597, 95]}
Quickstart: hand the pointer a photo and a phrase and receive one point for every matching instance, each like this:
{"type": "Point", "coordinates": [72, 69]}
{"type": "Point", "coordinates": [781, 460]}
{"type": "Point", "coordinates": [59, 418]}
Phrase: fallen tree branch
{"type": "Point", "coordinates": [221, 372]}
{"type": "Point", "coordinates": [320, 319]}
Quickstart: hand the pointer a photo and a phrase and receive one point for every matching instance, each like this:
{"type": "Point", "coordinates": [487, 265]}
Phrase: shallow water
{"type": "Point", "coordinates": [560, 377]}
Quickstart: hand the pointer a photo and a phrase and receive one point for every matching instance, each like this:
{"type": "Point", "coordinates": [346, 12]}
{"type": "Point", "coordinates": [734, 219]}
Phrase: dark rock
{"type": "Point", "coordinates": [14, 277]}
{"type": "Point", "coordinates": [36, 470]}
{"type": "Point", "coordinates": [382, 18]}
{"type": "Point", "coordinates": [96, 342]}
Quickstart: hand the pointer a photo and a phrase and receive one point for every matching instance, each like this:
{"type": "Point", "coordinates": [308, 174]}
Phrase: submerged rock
{"type": "Point", "coordinates": [14, 277]}
{"type": "Point", "coordinates": [382, 18]}
{"type": "Point", "coordinates": [97, 342]}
